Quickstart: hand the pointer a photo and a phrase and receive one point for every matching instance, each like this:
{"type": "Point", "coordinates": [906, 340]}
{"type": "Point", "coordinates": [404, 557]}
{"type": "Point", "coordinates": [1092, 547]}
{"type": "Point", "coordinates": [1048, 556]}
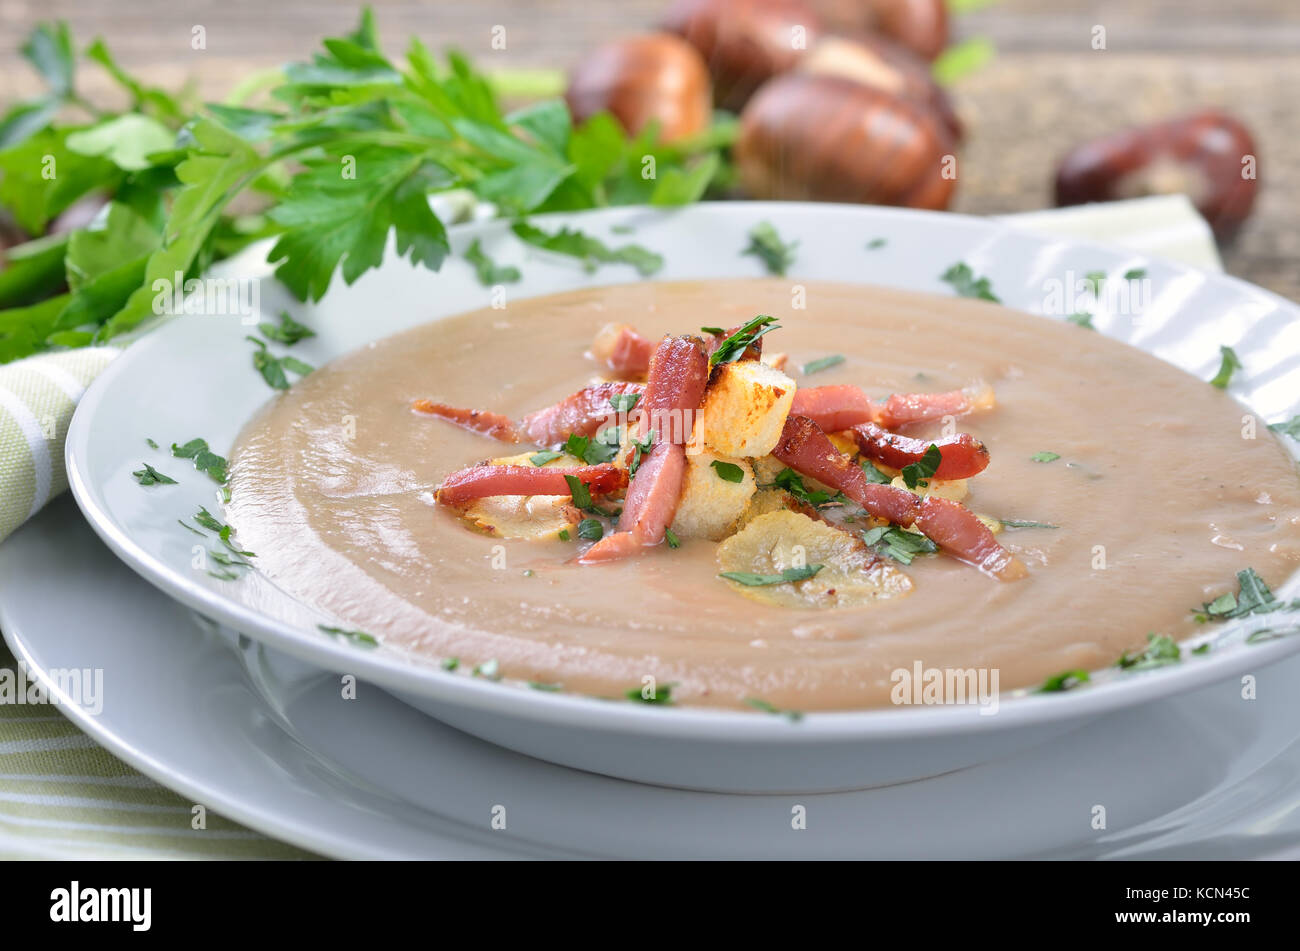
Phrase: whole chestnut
{"type": "Point", "coordinates": [654, 77]}
{"type": "Point", "coordinates": [919, 25]}
{"type": "Point", "coordinates": [1209, 156]}
{"type": "Point", "coordinates": [744, 42]}
{"type": "Point", "coordinates": [826, 138]}
{"type": "Point", "coordinates": [882, 63]}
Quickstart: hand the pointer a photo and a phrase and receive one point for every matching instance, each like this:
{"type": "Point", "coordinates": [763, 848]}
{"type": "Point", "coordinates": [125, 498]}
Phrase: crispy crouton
{"type": "Point", "coordinates": [745, 409]}
{"type": "Point", "coordinates": [533, 517]}
{"type": "Point", "coordinates": [710, 506]}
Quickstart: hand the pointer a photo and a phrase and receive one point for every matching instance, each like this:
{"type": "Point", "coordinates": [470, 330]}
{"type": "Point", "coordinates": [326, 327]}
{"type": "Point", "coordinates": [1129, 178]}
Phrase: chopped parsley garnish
{"type": "Point", "coordinates": [1202, 649]}
{"type": "Point", "coordinates": [151, 476]}
{"type": "Point", "coordinates": [733, 348]}
{"type": "Point", "coordinates": [543, 457]}
{"type": "Point", "coordinates": [488, 670]}
{"type": "Point", "coordinates": [1082, 320]}
{"type": "Point", "coordinates": [150, 443]}
{"type": "Point", "coordinates": [1271, 634]}
{"type": "Point", "coordinates": [1253, 597]}
{"type": "Point", "coordinates": [624, 402]}
{"type": "Point", "coordinates": [1094, 280]}
{"type": "Point", "coordinates": [661, 694]}
{"type": "Point", "coordinates": [190, 528]}
{"type": "Point", "coordinates": [966, 284]}
{"type": "Point", "coordinates": [221, 558]}
{"type": "Point", "coordinates": [289, 332]}
{"type": "Point", "coordinates": [1045, 456]}
{"type": "Point", "coordinates": [1228, 364]}
{"type": "Point", "coordinates": [791, 482]}
{"type": "Point", "coordinates": [563, 535]}
{"type": "Point", "coordinates": [274, 369]}
{"type": "Point", "coordinates": [594, 451]}
{"type": "Point", "coordinates": [591, 251]}
{"type": "Point", "coordinates": [898, 543]}
{"type": "Point", "coordinates": [1135, 274]}
{"type": "Point", "coordinates": [208, 521]}
{"type": "Point", "coordinates": [728, 471]}
{"type": "Point", "coordinates": [205, 460]}
{"type": "Point", "coordinates": [1290, 427]}
{"type": "Point", "coordinates": [825, 363]}
{"type": "Point", "coordinates": [488, 272]}
{"type": "Point", "coordinates": [548, 688]}
{"type": "Point", "coordinates": [591, 529]}
{"type": "Point", "coordinates": [787, 576]}
{"type": "Point", "coordinates": [794, 716]}
{"type": "Point", "coordinates": [1161, 650]}
{"type": "Point", "coordinates": [766, 245]}
{"type": "Point", "coordinates": [876, 243]}
{"type": "Point", "coordinates": [875, 475]}
{"type": "Point", "coordinates": [672, 539]}
{"type": "Point", "coordinates": [1023, 523]}
{"type": "Point", "coordinates": [1068, 680]}
{"type": "Point", "coordinates": [356, 637]}
{"type": "Point", "coordinates": [450, 663]}
{"type": "Point", "coordinates": [920, 472]}
{"type": "Point", "coordinates": [640, 448]}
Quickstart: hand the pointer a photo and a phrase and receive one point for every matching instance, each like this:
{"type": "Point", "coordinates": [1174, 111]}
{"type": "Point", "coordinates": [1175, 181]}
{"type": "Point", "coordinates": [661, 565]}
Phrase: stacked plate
{"type": "Point", "coordinates": [230, 694]}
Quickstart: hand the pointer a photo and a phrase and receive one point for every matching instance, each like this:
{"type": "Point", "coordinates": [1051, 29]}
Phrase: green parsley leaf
{"type": "Point", "coordinates": [825, 363]}
{"type": "Point", "coordinates": [661, 694]}
{"type": "Point", "coordinates": [728, 471]}
{"type": "Point", "coordinates": [288, 332]}
{"type": "Point", "coordinates": [450, 663]}
{"type": "Point", "coordinates": [919, 473]}
{"type": "Point", "coordinates": [1135, 274]}
{"type": "Point", "coordinates": [545, 456]}
{"type": "Point", "coordinates": [791, 482]}
{"type": "Point", "coordinates": [1202, 649]}
{"type": "Point", "coordinates": [274, 369]}
{"type": "Point", "coordinates": [877, 243]}
{"type": "Point", "coordinates": [1228, 364]}
{"type": "Point", "coordinates": [581, 494]}
{"type": "Point", "coordinates": [356, 637]}
{"type": "Point", "coordinates": [766, 245]}
{"type": "Point", "coordinates": [1082, 320]}
{"type": "Point", "coordinates": [875, 475]}
{"type": "Point", "coordinates": [1021, 523]}
{"type": "Point", "coordinates": [548, 688]}
{"type": "Point", "coordinates": [591, 251]}
{"type": "Point", "coordinates": [898, 543]}
{"type": "Point", "coordinates": [1045, 456]}
{"type": "Point", "coordinates": [151, 476]}
{"type": "Point", "coordinates": [488, 272]}
{"type": "Point", "coordinates": [1064, 681]}
{"type": "Point", "coordinates": [732, 348]}
{"type": "Point", "coordinates": [205, 460]}
{"type": "Point", "coordinates": [563, 535]}
{"type": "Point", "coordinates": [489, 670]}
{"type": "Point", "coordinates": [624, 402]}
{"type": "Point", "coordinates": [1253, 597]}
{"type": "Point", "coordinates": [1290, 427]}
{"type": "Point", "coordinates": [1161, 650]}
{"type": "Point", "coordinates": [1094, 281]}
{"type": "Point", "coordinates": [591, 529]}
{"type": "Point", "coordinates": [787, 576]}
{"type": "Point", "coordinates": [150, 443]}
{"type": "Point", "coordinates": [672, 539]}
{"type": "Point", "coordinates": [966, 284]}
{"type": "Point", "coordinates": [794, 716]}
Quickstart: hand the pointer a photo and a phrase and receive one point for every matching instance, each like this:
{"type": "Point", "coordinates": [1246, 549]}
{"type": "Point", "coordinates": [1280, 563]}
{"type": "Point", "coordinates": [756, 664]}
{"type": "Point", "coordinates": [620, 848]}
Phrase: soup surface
{"type": "Point", "coordinates": [1158, 499]}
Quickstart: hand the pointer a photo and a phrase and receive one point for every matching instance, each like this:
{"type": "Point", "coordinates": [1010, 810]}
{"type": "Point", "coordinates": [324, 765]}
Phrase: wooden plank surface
{"type": "Point", "coordinates": [1046, 90]}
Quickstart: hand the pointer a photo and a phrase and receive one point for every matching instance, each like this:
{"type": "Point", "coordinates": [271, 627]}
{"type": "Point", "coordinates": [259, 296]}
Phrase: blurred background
{"type": "Point", "coordinates": [1044, 90]}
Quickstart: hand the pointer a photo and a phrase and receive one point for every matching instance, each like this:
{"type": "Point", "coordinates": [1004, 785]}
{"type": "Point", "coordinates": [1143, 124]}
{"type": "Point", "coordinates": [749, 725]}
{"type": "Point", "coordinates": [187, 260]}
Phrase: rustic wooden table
{"type": "Point", "coordinates": [1046, 89]}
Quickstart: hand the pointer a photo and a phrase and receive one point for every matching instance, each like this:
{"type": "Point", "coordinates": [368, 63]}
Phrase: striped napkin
{"type": "Point", "coordinates": [62, 796]}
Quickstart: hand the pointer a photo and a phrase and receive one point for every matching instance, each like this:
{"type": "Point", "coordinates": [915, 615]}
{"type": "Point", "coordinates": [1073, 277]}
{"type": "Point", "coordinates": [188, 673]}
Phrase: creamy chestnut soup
{"type": "Point", "coordinates": [1157, 499]}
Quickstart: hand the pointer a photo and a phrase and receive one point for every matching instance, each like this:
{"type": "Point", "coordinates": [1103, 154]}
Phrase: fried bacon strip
{"type": "Point", "coordinates": [622, 351]}
{"type": "Point", "coordinates": [843, 406]}
{"type": "Point", "coordinates": [478, 482]}
{"type": "Point", "coordinates": [963, 455]}
{"type": "Point", "coordinates": [833, 408]}
{"type": "Point", "coordinates": [582, 413]}
{"type": "Point", "coordinates": [679, 373]}
{"type": "Point", "coordinates": [479, 421]}
{"type": "Point", "coordinates": [805, 448]}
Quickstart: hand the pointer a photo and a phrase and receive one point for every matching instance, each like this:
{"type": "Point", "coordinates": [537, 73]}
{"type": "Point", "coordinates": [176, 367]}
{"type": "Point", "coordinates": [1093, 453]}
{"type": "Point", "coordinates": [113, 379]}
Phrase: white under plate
{"type": "Point", "coordinates": [1205, 775]}
{"type": "Point", "coordinates": [192, 377]}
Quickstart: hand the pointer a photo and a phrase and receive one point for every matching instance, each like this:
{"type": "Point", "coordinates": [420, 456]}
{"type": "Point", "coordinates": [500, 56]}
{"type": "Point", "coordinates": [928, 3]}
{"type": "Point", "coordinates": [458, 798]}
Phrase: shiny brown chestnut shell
{"type": "Point", "coordinates": [825, 138]}
{"type": "Point", "coordinates": [919, 25]}
{"type": "Point", "coordinates": [640, 79]}
{"type": "Point", "coordinates": [885, 64]}
{"type": "Point", "coordinates": [1209, 156]}
{"type": "Point", "coordinates": [744, 42]}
